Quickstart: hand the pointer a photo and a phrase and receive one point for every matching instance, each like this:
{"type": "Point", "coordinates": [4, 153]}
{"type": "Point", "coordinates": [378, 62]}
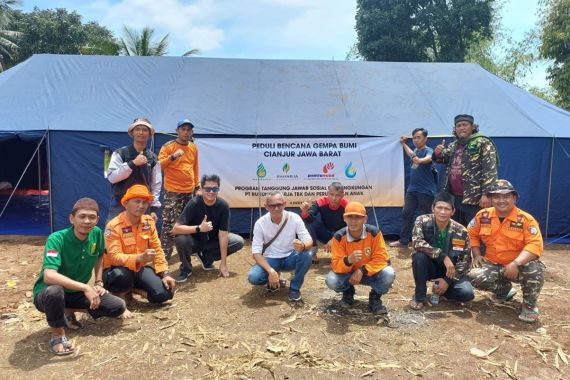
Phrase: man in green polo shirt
{"type": "Point", "coordinates": [70, 255]}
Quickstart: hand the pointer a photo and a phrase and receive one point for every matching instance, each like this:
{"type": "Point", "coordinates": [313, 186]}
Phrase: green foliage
{"type": "Point", "coordinates": [143, 43]}
{"type": "Point", "coordinates": [60, 32]}
{"type": "Point", "coordinates": [7, 36]}
{"type": "Point", "coordinates": [421, 30]}
{"type": "Point", "coordinates": [555, 30]}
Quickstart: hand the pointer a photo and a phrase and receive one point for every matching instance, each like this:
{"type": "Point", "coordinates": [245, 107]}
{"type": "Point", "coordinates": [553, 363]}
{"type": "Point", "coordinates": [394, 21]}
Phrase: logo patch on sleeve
{"type": "Point", "coordinates": [52, 253]}
{"type": "Point", "coordinates": [108, 232]}
{"type": "Point", "coordinates": [533, 230]}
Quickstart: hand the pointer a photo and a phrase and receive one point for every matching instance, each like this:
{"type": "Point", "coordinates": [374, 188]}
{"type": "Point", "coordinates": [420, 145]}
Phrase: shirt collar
{"type": "Point", "coordinates": [349, 237]}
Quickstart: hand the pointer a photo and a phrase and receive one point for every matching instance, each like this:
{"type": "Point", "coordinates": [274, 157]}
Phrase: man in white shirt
{"type": "Point", "coordinates": [281, 243]}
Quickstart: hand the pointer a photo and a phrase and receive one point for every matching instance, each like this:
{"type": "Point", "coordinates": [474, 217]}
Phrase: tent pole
{"type": "Point", "coordinates": [549, 187]}
{"type": "Point", "coordinates": [50, 188]}
{"type": "Point", "coordinates": [39, 177]}
{"type": "Point", "coordinates": [22, 176]}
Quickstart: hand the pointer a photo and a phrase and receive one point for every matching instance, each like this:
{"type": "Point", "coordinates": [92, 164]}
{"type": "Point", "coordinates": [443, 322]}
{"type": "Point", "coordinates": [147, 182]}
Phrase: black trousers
{"type": "Point", "coordinates": [122, 279]}
{"type": "Point", "coordinates": [52, 301]}
{"type": "Point", "coordinates": [414, 201]}
{"type": "Point", "coordinates": [464, 213]}
{"type": "Point", "coordinates": [186, 245]}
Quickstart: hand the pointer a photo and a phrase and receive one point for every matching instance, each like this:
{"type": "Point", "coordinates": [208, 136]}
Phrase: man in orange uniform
{"type": "Point", "coordinates": [134, 257]}
{"type": "Point", "coordinates": [359, 256]}
{"type": "Point", "coordinates": [179, 163]}
{"type": "Point", "coordinates": [513, 247]}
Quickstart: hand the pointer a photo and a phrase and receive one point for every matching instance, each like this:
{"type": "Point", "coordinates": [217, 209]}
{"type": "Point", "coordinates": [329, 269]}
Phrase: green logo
{"type": "Point", "coordinates": [261, 172]}
{"type": "Point", "coordinates": [286, 168]}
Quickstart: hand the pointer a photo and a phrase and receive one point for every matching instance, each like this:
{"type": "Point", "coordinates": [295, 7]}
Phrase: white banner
{"type": "Point", "coordinates": [371, 169]}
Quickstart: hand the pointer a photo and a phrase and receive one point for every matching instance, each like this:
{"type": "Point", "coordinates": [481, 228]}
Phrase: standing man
{"type": "Point", "coordinates": [471, 168]}
{"type": "Point", "coordinates": [331, 210]}
{"type": "Point", "coordinates": [359, 256]}
{"type": "Point", "coordinates": [513, 247]}
{"type": "Point", "coordinates": [422, 187]}
{"type": "Point", "coordinates": [441, 253]}
{"type": "Point", "coordinates": [135, 164]}
{"type": "Point", "coordinates": [179, 162]}
{"type": "Point", "coordinates": [281, 243]}
{"type": "Point", "coordinates": [202, 228]}
{"type": "Point", "coordinates": [70, 255]}
{"type": "Point", "coordinates": [134, 257]}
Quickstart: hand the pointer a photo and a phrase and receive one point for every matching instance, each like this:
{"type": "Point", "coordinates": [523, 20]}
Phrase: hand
{"type": "Point", "coordinates": [100, 290]}
{"type": "Point", "coordinates": [511, 271]}
{"type": "Point", "coordinates": [177, 154]}
{"type": "Point", "coordinates": [449, 267]}
{"type": "Point", "coordinates": [169, 282]}
{"type": "Point", "coordinates": [298, 245]}
{"type": "Point", "coordinates": [416, 160]}
{"type": "Point", "coordinates": [478, 261]}
{"type": "Point", "coordinates": [440, 148]}
{"type": "Point", "coordinates": [328, 246]}
{"type": "Point", "coordinates": [356, 277]}
{"type": "Point", "coordinates": [206, 226]}
{"type": "Point", "coordinates": [197, 191]}
{"type": "Point", "coordinates": [273, 279]}
{"type": "Point", "coordinates": [154, 216]}
{"type": "Point", "coordinates": [442, 286]}
{"type": "Point", "coordinates": [305, 207]}
{"type": "Point", "coordinates": [93, 296]}
{"type": "Point", "coordinates": [147, 256]}
{"type": "Point", "coordinates": [403, 139]}
{"type": "Point", "coordinates": [224, 272]}
{"type": "Point", "coordinates": [355, 257]}
{"type": "Point", "coordinates": [140, 159]}
{"type": "Point", "coordinates": [484, 202]}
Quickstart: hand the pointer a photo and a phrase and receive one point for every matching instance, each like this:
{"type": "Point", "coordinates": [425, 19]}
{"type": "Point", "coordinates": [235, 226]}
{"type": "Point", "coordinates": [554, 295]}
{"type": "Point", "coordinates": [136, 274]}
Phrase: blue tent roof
{"type": "Point", "coordinates": [267, 97]}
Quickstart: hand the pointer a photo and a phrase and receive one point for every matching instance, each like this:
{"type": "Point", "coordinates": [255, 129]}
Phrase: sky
{"type": "Point", "coordinates": [264, 29]}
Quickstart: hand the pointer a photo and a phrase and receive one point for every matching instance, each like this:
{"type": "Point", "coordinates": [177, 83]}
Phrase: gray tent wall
{"type": "Point", "coordinates": [88, 102]}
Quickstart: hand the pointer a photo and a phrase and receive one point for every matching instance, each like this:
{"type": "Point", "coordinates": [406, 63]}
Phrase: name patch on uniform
{"type": "Point", "coordinates": [52, 253]}
{"type": "Point", "coordinates": [127, 230]}
{"type": "Point", "coordinates": [516, 226]}
{"type": "Point", "coordinates": [485, 218]}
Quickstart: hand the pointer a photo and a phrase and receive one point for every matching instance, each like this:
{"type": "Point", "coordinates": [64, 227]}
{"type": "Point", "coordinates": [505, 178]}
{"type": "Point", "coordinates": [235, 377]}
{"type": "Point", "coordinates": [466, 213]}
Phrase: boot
{"type": "Point", "coordinates": [375, 304]}
{"type": "Point", "coordinates": [347, 300]}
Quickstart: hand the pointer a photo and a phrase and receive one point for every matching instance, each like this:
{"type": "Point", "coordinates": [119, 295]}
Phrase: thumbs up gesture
{"type": "Point", "coordinates": [440, 148]}
{"type": "Point", "coordinates": [140, 159]}
{"type": "Point", "coordinates": [206, 226]}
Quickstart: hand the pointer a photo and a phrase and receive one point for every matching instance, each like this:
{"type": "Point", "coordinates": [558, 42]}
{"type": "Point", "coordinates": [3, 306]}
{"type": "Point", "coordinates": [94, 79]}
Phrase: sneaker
{"type": "Point", "coordinates": [183, 276]}
{"type": "Point", "coordinates": [506, 298]}
{"type": "Point", "coordinates": [397, 244]}
{"type": "Point", "coordinates": [205, 265]}
{"type": "Point", "coordinates": [294, 295]}
{"type": "Point", "coordinates": [282, 284]}
{"type": "Point", "coordinates": [375, 304]}
{"type": "Point", "coordinates": [347, 300]}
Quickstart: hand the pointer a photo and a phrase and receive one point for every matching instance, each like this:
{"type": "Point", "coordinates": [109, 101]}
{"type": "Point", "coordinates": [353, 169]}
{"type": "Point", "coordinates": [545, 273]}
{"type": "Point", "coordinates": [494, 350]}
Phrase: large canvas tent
{"type": "Point", "coordinates": [81, 105]}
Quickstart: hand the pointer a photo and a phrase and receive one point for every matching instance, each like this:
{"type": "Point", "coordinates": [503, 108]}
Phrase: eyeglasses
{"type": "Point", "coordinates": [211, 189]}
{"type": "Point", "coordinates": [276, 205]}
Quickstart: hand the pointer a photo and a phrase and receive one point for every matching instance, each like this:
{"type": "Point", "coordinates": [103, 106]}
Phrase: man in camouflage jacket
{"type": "Point", "coordinates": [441, 253]}
{"type": "Point", "coordinates": [471, 168]}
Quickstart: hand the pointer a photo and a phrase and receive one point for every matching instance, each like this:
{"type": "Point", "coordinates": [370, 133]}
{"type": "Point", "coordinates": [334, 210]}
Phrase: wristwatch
{"type": "Point", "coordinates": [197, 228]}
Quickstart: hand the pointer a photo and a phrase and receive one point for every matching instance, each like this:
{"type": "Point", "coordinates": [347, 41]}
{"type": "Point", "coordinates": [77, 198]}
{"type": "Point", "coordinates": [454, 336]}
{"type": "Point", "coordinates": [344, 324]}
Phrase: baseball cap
{"type": "Point", "coordinates": [183, 122]}
{"type": "Point", "coordinates": [355, 208]}
{"type": "Point", "coordinates": [137, 191]}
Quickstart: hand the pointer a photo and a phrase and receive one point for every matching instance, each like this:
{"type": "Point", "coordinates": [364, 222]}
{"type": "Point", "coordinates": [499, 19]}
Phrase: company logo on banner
{"type": "Point", "coordinates": [370, 169]}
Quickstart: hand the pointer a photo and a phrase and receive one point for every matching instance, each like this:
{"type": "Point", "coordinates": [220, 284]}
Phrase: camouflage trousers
{"type": "Point", "coordinates": [490, 277]}
{"type": "Point", "coordinates": [172, 207]}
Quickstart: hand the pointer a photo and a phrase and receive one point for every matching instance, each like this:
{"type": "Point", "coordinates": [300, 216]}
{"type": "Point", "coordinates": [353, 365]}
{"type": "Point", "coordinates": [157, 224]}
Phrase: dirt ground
{"type": "Point", "coordinates": [219, 328]}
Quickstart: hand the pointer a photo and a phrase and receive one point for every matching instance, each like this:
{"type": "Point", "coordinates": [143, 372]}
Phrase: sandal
{"type": "Point", "coordinates": [529, 314]}
{"type": "Point", "coordinates": [72, 323]}
{"type": "Point", "coordinates": [416, 305]}
{"type": "Point", "coordinates": [67, 347]}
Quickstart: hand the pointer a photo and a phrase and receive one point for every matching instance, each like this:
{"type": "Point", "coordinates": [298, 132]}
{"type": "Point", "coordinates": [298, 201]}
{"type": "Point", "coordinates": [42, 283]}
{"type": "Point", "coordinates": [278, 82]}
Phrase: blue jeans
{"type": "Point", "coordinates": [425, 268]}
{"type": "Point", "coordinates": [381, 282]}
{"type": "Point", "coordinates": [319, 232]}
{"type": "Point", "coordinates": [295, 262]}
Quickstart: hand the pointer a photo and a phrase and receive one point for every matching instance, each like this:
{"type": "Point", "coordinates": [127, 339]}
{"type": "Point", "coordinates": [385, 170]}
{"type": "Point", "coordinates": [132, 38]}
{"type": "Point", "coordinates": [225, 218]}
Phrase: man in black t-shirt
{"type": "Point", "coordinates": [202, 228]}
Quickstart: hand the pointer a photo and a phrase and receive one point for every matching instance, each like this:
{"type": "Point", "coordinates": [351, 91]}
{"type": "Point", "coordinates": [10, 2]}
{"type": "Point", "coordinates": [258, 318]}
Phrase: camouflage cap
{"type": "Point", "coordinates": [502, 186]}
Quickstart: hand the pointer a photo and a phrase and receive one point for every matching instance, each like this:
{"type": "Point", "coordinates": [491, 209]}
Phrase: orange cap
{"type": "Point", "coordinates": [137, 191]}
{"type": "Point", "coordinates": [355, 208]}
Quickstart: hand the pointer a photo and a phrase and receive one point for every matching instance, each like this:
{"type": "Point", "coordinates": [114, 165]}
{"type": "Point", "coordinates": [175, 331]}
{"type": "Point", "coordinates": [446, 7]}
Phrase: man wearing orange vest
{"type": "Point", "coordinates": [359, 256]}
{"type": "Point", "coordinates": [134, 257]}
{"type": "Point", "coordinates": [513, 247]}
{"type": "Point", "coordinates": [179, 163]}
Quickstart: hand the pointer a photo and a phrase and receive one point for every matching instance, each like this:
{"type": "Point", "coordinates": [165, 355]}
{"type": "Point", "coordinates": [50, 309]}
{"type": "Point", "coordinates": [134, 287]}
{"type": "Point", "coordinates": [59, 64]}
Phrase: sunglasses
{"type": "Point", "coordinates": [211, 189]}
{"type": "Point", "coordinates": [276, 205]}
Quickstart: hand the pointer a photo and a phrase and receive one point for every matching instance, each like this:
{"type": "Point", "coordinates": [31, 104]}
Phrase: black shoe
{"type": "Point", "coordinates": [294, 295]}
{"type": "Point", "coordinates": [183, 276]}
{"type": "Point", "coordinates": [375, 304]}
{"type": "Point", "coordinates": [347, 300]}
{"type": "Point", "coordinates": [205, 264]}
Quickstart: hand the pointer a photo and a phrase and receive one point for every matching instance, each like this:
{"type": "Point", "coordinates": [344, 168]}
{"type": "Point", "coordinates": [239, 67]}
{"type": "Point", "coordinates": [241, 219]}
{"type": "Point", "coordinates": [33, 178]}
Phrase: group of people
{"type": "Point", "coordinates": [482, 246]}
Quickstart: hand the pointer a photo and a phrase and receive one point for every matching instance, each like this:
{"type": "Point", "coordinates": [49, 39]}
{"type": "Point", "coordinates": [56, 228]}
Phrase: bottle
{"type": "Point", "coordinates": [434, 300]}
